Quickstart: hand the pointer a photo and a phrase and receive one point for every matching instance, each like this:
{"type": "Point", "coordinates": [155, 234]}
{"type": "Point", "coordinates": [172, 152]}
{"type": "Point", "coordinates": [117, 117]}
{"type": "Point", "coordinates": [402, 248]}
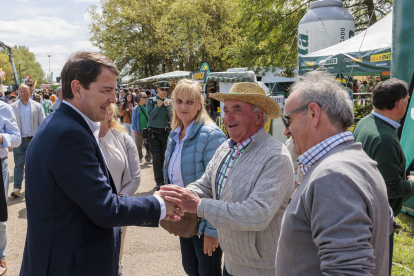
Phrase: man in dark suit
{"type": "Point", "coordinates": [73, 212]}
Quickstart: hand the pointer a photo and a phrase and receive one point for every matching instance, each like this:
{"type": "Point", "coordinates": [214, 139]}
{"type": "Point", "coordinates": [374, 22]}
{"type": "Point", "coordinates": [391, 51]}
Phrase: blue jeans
{"type": "Point", "coordinates": [19, 154]}
{"type": "Point", "coordinates": [195, 262]}
{"type": "Point", "coordinates": [129, 129]}
{"type": "Point", "coordinates": [3, 231]}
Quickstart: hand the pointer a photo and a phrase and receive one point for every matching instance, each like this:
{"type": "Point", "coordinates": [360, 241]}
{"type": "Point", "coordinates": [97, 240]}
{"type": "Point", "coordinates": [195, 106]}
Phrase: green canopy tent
{"type": "Point", "coordinates": [368, 53]}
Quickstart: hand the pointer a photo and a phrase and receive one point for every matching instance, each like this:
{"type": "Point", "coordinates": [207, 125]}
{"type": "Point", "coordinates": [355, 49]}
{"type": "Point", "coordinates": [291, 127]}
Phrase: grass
{"type": "Point", "coordinates": [404, 246]}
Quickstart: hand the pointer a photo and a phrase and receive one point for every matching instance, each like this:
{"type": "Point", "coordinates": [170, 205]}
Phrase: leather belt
{"type": "Point", "coordinates": [27, 138]}
{"type": "Point", "coordinates": [162, 130]}
{"type": "Point", "coordinates": [3, 159]}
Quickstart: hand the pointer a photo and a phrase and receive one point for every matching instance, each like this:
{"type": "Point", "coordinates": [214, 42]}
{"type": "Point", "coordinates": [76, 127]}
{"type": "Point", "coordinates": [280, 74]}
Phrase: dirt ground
{"type": "Point", "coordinates": [148, 251]}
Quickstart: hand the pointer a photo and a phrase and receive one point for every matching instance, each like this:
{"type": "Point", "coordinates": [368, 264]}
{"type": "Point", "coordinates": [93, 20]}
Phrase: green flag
{"type": "Point", "coordinates": [407, 134]}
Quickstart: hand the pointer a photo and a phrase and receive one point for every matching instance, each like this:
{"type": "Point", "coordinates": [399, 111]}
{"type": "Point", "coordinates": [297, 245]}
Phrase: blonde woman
{"type": "Point", "coordinates": [191, 145]}
{"type": "Point", "coordinates": [121, 157]}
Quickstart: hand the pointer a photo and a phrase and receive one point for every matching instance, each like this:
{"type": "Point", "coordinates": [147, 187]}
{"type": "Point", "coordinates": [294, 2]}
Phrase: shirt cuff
{"type": "Point", "coordinates": [162, 205]}
{"type": "Point", "coordinates": [6, 140]}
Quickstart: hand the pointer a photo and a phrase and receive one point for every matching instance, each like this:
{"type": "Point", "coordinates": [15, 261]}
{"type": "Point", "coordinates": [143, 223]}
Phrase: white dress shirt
{"type": "Point", "coordinates": [95, 130]}
{"type": "Point", "coordinates": [8, 129]}
{"type": "Point", "coordinates": [26, 119]}
{"type": "Point", "coordinates": [388, 120]}
{"type": "Point", "coordinates": [174, 166]}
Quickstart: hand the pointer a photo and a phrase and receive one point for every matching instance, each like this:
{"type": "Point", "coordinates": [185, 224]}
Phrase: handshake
{"type": "Point", "coordinates": [177, 201]}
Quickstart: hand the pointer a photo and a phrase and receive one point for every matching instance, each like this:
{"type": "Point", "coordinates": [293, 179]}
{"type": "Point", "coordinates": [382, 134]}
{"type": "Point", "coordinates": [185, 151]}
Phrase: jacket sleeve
{"type": "Point", "coordinates": [11, 136]}
{"type": "Point", "coordinates": [78, 173]}
{"type": "Point", "coordinates": [133, 159]}
{"type": "Point", "coordinates": [41, 114]}
{"type": "Point", "coordinates": [271, 189]}
{"type": "Point", "coordinates": [343, 232]}
{"type": "Point", "coordinates": [152, 111]}
{"type": "Point", "coordinates": [121, 111]}
{"type": "Point", "coordinates": [388, 156]}
{"type": "Point", "coordinates": [214, 141]}
{"type": "Point", "coordinates": [135, 118]}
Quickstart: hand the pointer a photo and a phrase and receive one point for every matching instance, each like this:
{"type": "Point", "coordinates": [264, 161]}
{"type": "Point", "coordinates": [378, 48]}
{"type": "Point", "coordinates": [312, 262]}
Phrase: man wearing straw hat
{"type": "Point", "coordinates": [246, 186]}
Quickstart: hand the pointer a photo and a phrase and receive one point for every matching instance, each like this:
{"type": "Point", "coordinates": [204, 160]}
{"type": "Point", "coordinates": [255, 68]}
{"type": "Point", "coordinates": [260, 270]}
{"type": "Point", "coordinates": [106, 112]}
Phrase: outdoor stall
{"type": "Point", "coordinates": [366, 54]}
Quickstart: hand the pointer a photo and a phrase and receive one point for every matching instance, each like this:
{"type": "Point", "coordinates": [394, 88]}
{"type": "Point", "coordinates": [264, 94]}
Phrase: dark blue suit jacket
{"type": "Point", "coordinates": [73, 212]}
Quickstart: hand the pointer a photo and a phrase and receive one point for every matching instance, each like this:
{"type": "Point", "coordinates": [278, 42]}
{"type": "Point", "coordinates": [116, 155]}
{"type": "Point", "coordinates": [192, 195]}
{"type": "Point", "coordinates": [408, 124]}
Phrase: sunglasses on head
{"type": "Point", "coordinates": [164, 89]}
{"type": "Point", "coordinates": [285, 116]}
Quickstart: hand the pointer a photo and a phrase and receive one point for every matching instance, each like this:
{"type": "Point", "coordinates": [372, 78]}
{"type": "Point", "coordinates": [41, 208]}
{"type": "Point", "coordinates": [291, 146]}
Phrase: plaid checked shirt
{"type": "Point", "coordinates": [311, 156]}
{"type": "Point", "coordinates": [236, 151]}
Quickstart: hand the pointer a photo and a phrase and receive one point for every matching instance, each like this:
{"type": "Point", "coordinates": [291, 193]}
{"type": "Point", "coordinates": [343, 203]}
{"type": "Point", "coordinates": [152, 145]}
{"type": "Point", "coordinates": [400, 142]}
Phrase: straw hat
{"type": "Point", "coordinates": [251, 93]}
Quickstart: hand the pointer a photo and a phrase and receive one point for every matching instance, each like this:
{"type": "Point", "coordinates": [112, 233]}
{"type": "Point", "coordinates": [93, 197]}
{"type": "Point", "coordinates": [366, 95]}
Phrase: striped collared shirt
{"type": "Point", "coordinates": [311, 156]}
{"type": "Point", "coordinates": [236, 150]}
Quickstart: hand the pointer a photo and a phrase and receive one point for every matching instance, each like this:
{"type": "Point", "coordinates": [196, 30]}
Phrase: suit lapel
{"type": "Point", "coordinates": [69, 111]}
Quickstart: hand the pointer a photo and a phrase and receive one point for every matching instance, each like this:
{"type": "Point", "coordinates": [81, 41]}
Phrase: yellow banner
{"type": "Point", "coordinates": [380, 57]}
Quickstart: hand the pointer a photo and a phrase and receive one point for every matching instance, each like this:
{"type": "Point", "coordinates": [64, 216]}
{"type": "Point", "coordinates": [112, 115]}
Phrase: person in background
{"type": "Point", "coordinates": [13, 98]}
{"type": "Point", "coordinates": [33, 94]}
{"type": "Point", "coordinates": [126, 112]}
{"type": "Point", "coordinates": [191, 145]}
{"type": "Point", "coordinates": [159, 116]}
{"type": "Point", "coordinates": [9, 137]}
{"type": "Point", "coordinates": [7, 94]}
{"type": "Point", "coordinates": [29, 115]}
{"type": "Point", "coordinates": [46, 104]}
{"type": "Point", "coordinates": [338, 221]}
{"type": "Point", "coordinates": [247, 184]}
{"type": "Point", "coordinates": [377, 133]}
{"type": "Point", "coordinates": [59, 99]}
{"type": "Point", "coordinates": [139, 122]}
{"type": "Point", "coordinates": [52, 96]}
{"type": "Point", "coordinates": [121, 157]}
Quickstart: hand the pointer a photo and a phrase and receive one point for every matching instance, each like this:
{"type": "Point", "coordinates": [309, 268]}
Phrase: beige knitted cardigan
{"type": "Point", "coordinates": [249, 214]}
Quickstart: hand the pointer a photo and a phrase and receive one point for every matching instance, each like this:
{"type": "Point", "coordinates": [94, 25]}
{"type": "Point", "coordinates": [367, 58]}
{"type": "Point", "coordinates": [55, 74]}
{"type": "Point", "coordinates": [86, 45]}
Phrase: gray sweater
{"type": "Point", "coordinates": [249, 213]}
{"type": "Point", "coordinates": [339, 220]}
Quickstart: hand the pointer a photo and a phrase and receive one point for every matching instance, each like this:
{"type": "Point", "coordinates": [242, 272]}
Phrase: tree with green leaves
{"type": "Point", "coordinates": [146, 38]}
{"type": "Point", "coordinates": [268, 36]}
{"type": "Point", "coordinates": [29, 65]}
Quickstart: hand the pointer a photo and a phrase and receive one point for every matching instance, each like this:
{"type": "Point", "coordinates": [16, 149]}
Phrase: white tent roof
{"type": "Point", "coordinates": [377, 36]}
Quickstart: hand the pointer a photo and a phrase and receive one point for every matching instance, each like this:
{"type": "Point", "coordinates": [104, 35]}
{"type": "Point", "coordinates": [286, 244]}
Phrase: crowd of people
{"type": "Point", "coordinates": [322, 204]}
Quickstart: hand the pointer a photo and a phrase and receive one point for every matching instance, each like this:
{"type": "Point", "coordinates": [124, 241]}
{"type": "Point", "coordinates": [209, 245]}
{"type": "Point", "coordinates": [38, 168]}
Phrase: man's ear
{"type": "Point", "coordinates": [76, 88]}
{"type": "Point", "coordinates": [259, 117]}
{"type": "Point", "coordinates": [315, 111]}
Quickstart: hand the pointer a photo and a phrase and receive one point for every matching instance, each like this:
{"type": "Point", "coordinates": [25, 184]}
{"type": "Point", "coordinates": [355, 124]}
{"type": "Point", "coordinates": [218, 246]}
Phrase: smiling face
{"type": "Point", "coordinates": [186, 108]}
{"type": "Point", "coordinates": [240, 121]}
{"type": "Point", "coordinates": [298, 124]}
{"type": "Point", "coordinates": [93, 102]}
{"type": "Point", "coordinates": [162, 92]}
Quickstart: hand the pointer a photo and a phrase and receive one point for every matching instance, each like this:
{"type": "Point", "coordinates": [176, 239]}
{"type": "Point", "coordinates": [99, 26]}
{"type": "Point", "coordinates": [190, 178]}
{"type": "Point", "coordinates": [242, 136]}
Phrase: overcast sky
{"type": "Point", "coordinates": [57, 28]}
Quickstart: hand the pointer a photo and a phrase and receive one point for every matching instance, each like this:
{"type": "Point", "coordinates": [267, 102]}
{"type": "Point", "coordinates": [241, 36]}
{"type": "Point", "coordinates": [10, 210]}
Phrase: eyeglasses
{"type": "Point", "coordinates": [164, 89]}
{"type": "Point", "coordinates": [30, 85]}
{"type": "Point", "coordinates": [285, 116]}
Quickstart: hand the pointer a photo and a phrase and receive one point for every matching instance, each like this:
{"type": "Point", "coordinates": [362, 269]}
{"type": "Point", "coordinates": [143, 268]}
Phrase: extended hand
{"type": "Point", "coordinates": [174, 213]}
{"type": "Point", "coordinates": [182, 197]}
{"type": "Point", "coordinates": [160, 102]}
{"type": "Point", "coordinates": [210, 244]}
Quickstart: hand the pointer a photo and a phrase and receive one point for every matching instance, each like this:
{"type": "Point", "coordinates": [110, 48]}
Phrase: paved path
{"type": "Point", "coordinates": [148, 251]}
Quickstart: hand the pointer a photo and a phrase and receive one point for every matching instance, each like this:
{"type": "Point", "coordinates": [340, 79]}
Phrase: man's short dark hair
{"type": "Point", "coordinates": [387, 93]}
{"type": "Point", "coordinates": [46, 96]}
{"type": "Point", "coordinates": [85, 67]}
{"type": "Point", "coordinates": [125, 90]}
{"type": "Point", "coordinates": [148, 93]}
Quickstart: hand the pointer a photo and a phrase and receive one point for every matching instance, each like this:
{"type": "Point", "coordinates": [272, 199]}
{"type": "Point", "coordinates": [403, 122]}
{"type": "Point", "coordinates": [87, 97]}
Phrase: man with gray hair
{"type": "Point", "coordinates": [59, 99]}
{"type": "Point", "coordinates": [338, 221]}
{"type": "Point", "coordinates": [246, 186]}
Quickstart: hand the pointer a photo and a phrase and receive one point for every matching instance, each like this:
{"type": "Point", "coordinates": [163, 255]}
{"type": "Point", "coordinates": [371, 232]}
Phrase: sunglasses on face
{"type": "Point", "coordinates": [285, 116]}
{"type": "Point", "coordinates": [30, 85]}
{"type": "Point", "coordinates": [164, 89]}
